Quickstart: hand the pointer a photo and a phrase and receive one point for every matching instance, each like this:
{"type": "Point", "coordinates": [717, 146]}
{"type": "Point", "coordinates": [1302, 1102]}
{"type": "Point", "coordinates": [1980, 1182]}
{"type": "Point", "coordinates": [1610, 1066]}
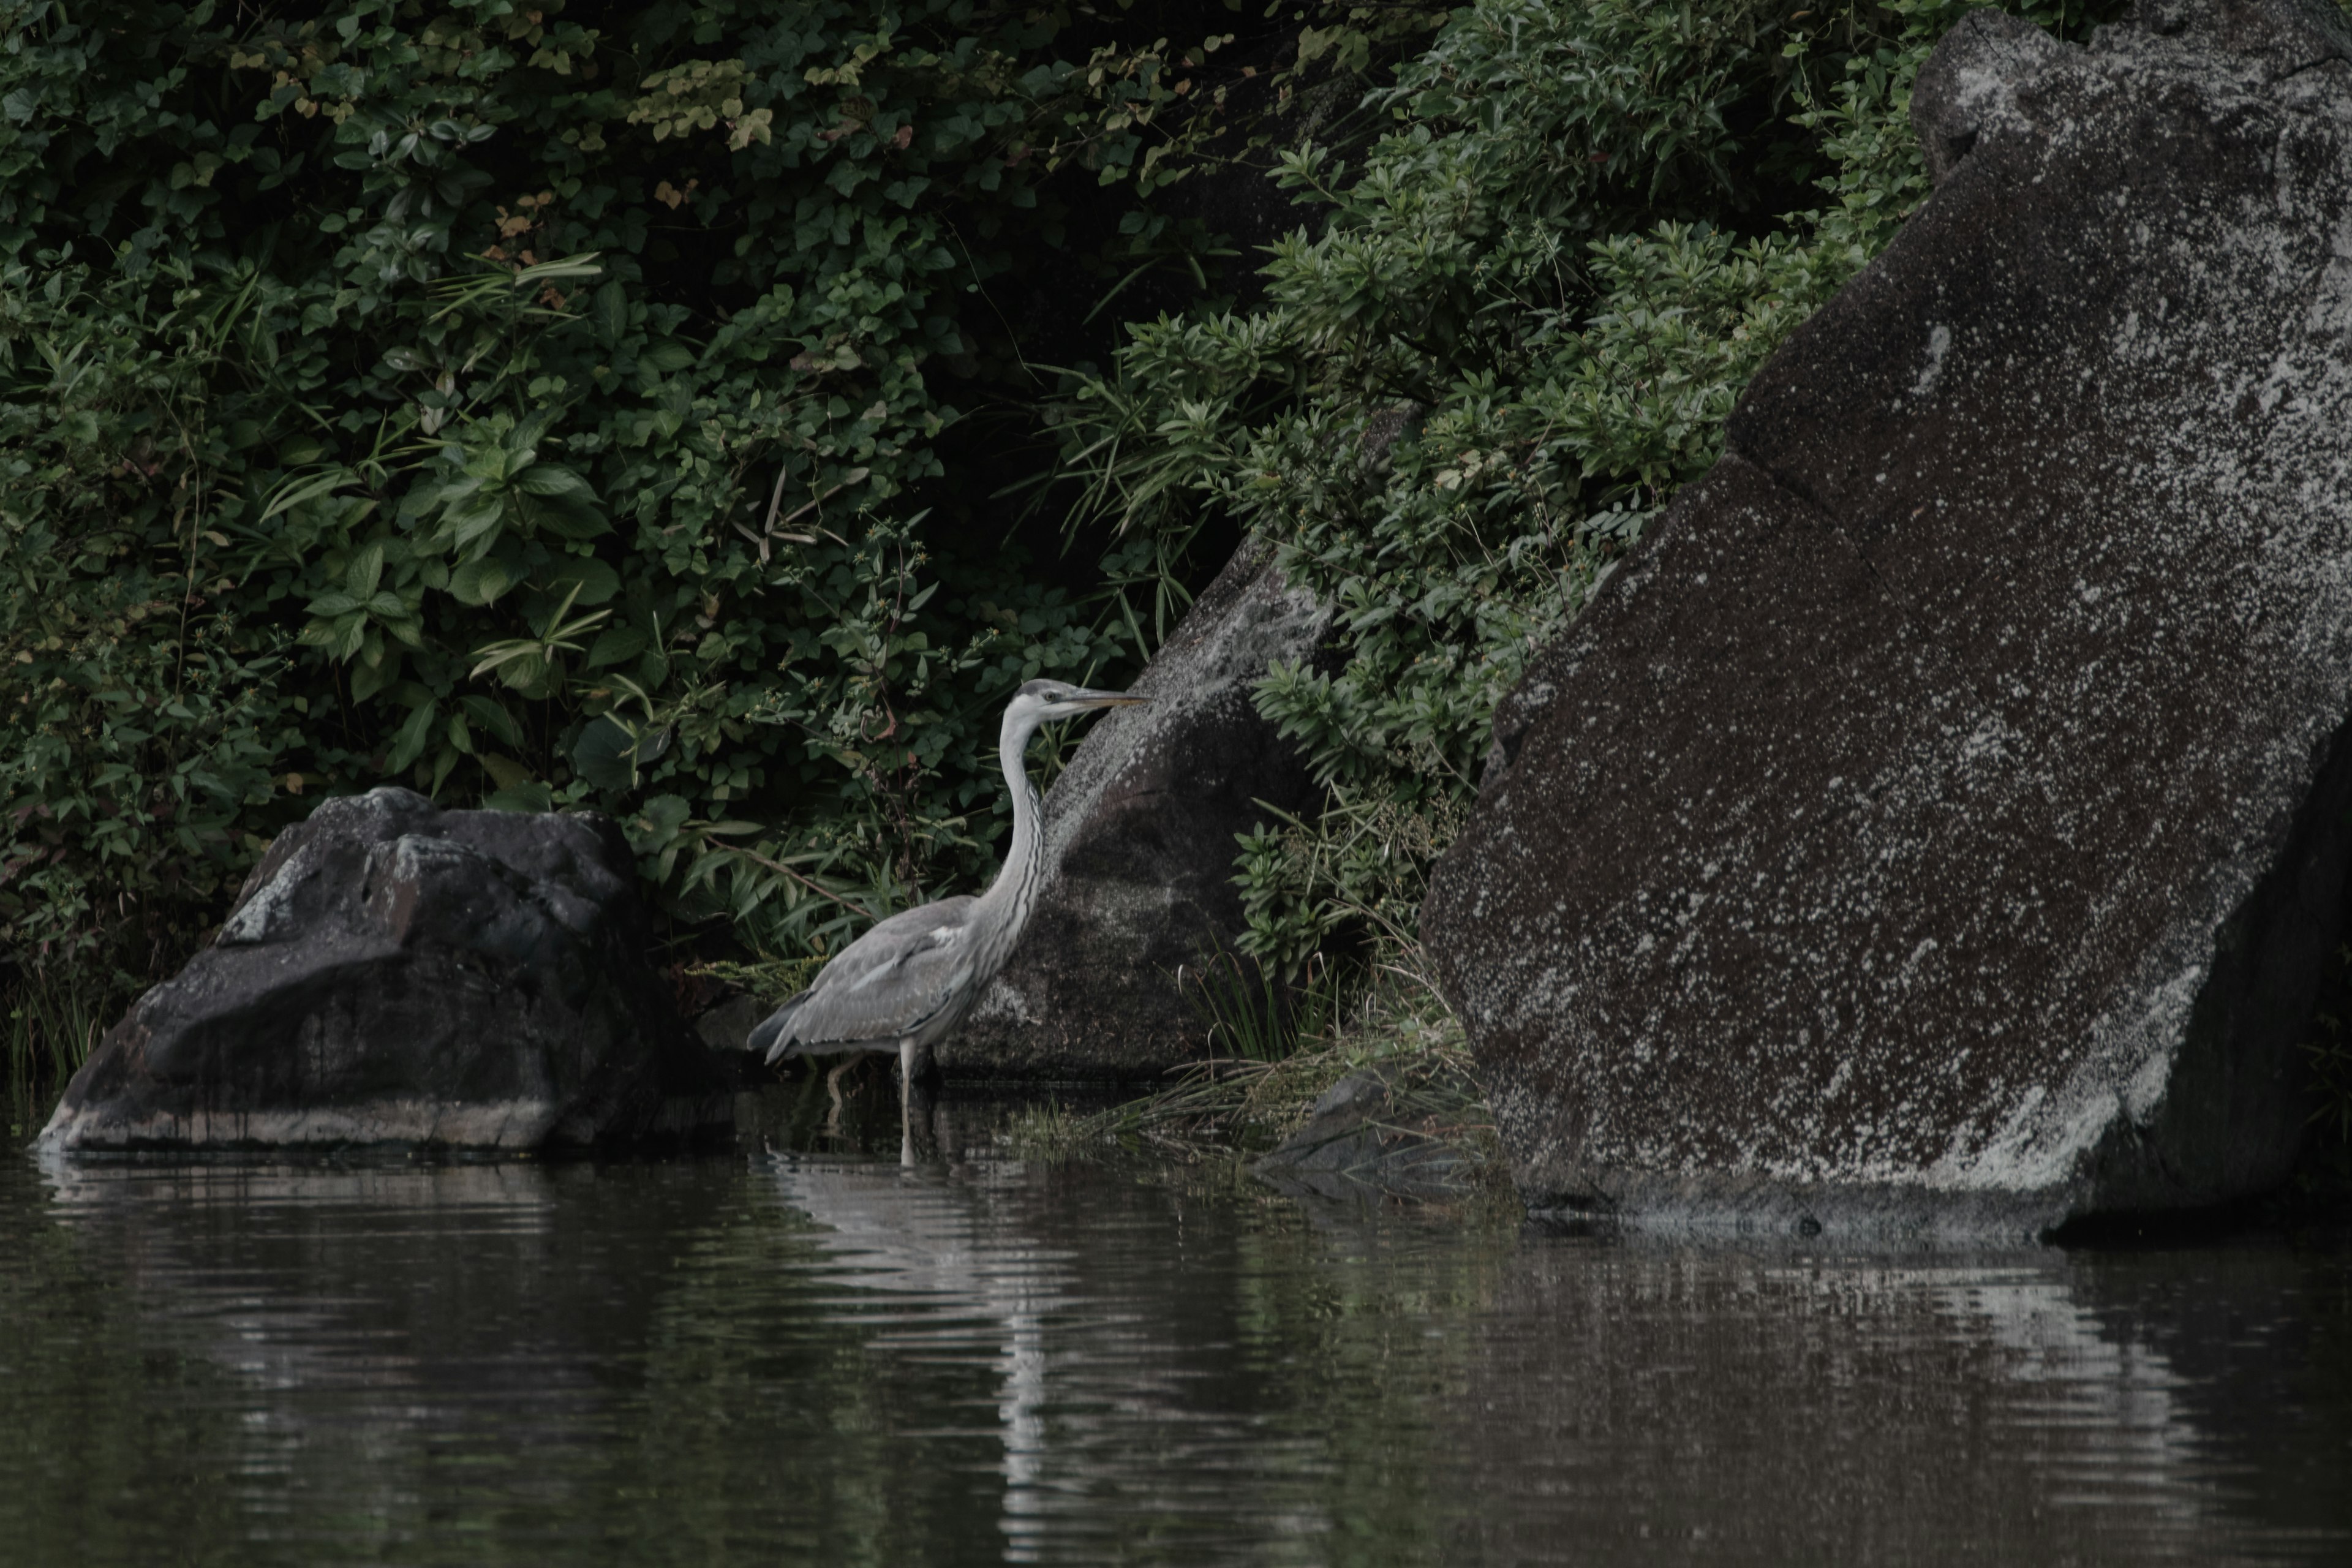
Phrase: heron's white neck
{"type": "Point", "coordinates": [1016, 881]}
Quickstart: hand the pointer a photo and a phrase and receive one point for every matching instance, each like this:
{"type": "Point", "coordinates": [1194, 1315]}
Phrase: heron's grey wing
{"type": "Point", "coordinates": [882, 987]}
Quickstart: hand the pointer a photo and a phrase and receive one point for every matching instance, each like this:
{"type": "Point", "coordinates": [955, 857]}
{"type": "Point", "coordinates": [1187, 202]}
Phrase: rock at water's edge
{"type": "Point", "coordinates": [396, 974]}
{"type": "Point", "coordinates": [1139, 848]}
{"type": "Point", "coordinates": [1368, 1138]}
{"type": "Point", "coordinates": [1941, 823]}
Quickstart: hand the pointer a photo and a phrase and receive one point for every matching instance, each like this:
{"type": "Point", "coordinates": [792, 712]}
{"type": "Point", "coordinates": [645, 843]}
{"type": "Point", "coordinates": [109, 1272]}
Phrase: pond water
{"type": "Point", "coordinates": [828, 1358]}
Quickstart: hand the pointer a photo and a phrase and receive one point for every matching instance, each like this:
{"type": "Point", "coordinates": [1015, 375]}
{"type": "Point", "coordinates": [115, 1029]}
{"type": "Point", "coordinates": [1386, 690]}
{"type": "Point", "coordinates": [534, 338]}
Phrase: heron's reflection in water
{"type": "Point", "coordinates": [943, 1272]}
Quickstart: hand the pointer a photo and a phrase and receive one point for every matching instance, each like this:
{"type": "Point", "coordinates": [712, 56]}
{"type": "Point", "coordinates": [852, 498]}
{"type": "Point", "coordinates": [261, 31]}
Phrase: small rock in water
{"type": "Point", "coordinates": [1941, 823]}
{"type": "Point", "coordinates": [1363, 1139]}
{"type": "Point", "coordinates": [398, 973]}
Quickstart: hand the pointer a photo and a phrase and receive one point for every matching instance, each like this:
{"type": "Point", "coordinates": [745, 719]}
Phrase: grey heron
{"type": "Point", "coordinates": [908, 982]}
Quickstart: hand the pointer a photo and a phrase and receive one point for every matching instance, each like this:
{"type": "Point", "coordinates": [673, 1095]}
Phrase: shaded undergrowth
{"type": "Point", "coordinates": [51, 1028]}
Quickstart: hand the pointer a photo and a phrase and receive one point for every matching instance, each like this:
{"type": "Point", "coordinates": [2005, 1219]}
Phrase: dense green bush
{"type": "Point", "coordinates": [539, 405]}
{"type": "Point", "coordinates": [1510, 333]}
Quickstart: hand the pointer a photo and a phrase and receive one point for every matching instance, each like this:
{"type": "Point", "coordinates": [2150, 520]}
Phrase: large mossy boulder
{"type": "Point", "coordinates": [1140, 846]}
{"type": "Point", "coordinates": [396, 974]}
{"type": "Point", "coordinates": [1942, 822]}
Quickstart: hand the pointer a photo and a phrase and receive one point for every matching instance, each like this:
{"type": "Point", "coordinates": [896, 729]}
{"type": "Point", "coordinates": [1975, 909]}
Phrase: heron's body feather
{"type": "Point", "coordinates": [903, 979]}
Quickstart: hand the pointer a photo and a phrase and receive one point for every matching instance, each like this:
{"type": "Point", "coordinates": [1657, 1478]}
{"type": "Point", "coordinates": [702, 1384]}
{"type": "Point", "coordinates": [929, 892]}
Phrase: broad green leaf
{"type": "Point", "coordinates": [606, 754]}
{"type": "Point", "coordinates": [588, 579]}
{"type": "Point", "coordinates": [473, 519]}
{"type": "Point", "coordinates": [351, 631]}
{"type": "Point", "coordinates": [569, 523]}
{"type": "Point", "coordinates": [366, 568]}
{"type": "Point", "coordinates": [509, 774]}
{"type": "Point", "coordinates": [615, 645]}
{"type": "Point", "coordinates": [481, 582]}
{"type": "Point", "coordinates": [526, 797]}
{"type": "Point", "coordinates": [408, 741]}
{"type": "Point", "coordinates": [486, 462]}
{"type": "Point", "coordinates": [612, 313]}
{"type": "Point", "coordinates": [487, 712]}
{"type": "Point", "coordinates": [555, 480]}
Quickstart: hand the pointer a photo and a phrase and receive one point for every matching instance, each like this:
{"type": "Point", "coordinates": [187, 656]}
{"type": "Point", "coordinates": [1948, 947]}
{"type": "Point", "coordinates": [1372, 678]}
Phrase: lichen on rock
{"type": "Point", "coordinates": [393, 973]}
{"type": "Point", "coordinates": [1941, 823]}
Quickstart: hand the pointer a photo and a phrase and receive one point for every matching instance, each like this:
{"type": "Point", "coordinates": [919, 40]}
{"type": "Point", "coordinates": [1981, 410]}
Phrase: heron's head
{"type": "Point", "coordinates": [1043, 701]}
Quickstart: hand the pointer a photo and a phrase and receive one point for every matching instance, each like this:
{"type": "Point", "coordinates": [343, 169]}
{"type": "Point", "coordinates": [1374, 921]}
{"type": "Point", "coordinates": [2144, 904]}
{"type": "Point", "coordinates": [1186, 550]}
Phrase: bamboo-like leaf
{"type": "Point", "coordinates": [293, 493]}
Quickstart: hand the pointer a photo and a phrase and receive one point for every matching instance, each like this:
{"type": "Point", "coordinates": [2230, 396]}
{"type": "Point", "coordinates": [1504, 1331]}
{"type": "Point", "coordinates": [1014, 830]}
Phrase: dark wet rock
{"type": "Point", "coordinates": [725, 1030]}
{"type": "Point", "coordinates": [1943, 821]}
{"type": "Point", "coordinates": [727, 1026]}
{"type": "Point", "coordinates": [1139, 848]}
{"type": "Point", "coordinates": [396, 974]}
{"type": "Point", "coordinates": [1370, 1136]}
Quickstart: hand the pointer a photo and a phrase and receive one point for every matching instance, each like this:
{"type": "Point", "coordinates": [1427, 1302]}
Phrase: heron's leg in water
{"type": "Point", "coordinates": [905, 1102]}
{"type": "Point", "coordinates": [833, 1083]}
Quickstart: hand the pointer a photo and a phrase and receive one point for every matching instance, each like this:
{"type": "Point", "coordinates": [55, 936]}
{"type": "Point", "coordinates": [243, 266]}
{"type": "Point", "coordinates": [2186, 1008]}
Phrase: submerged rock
{"type": "Point", "coordinates": [1138, 849]}
{"type": "Point", "coordinates": [398, 973]}
{"type": "Point", "coordinates": [1371, 1137]}
{"type": "Point", "coordinates": [1943, 821]}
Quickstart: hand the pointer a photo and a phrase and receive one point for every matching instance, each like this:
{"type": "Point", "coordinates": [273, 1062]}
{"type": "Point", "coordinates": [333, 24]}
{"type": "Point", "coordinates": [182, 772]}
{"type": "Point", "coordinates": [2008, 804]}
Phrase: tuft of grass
{"type": "Point", "coordinates": [51, 1028]}
{"type": "Point", "coordinates": [1050, 1134]}
{"type": "Point", "coordinates": [1249, 1015]}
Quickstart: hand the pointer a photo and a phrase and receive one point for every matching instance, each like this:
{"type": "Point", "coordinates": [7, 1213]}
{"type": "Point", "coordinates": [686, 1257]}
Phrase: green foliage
{"type": "Point", "coordinates": [1517, 329]}
{"type": "Point", "coordinates": [530, 410]}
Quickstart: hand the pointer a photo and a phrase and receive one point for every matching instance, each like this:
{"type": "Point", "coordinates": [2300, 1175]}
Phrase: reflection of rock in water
{"type": "Point", "coordinates": [394, 1328]}
{"type": "Point", "coordinates": [1632, 1398]}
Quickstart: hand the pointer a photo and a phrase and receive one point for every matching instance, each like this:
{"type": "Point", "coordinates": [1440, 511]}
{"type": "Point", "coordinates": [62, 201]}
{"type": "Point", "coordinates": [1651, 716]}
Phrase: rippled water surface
{"type": "Point", "coordinates": [763, 1359]}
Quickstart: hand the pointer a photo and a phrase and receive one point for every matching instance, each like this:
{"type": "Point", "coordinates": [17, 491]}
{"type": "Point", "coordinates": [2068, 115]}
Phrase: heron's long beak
{"type": "Point", "coordinates": [1104, 700]}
